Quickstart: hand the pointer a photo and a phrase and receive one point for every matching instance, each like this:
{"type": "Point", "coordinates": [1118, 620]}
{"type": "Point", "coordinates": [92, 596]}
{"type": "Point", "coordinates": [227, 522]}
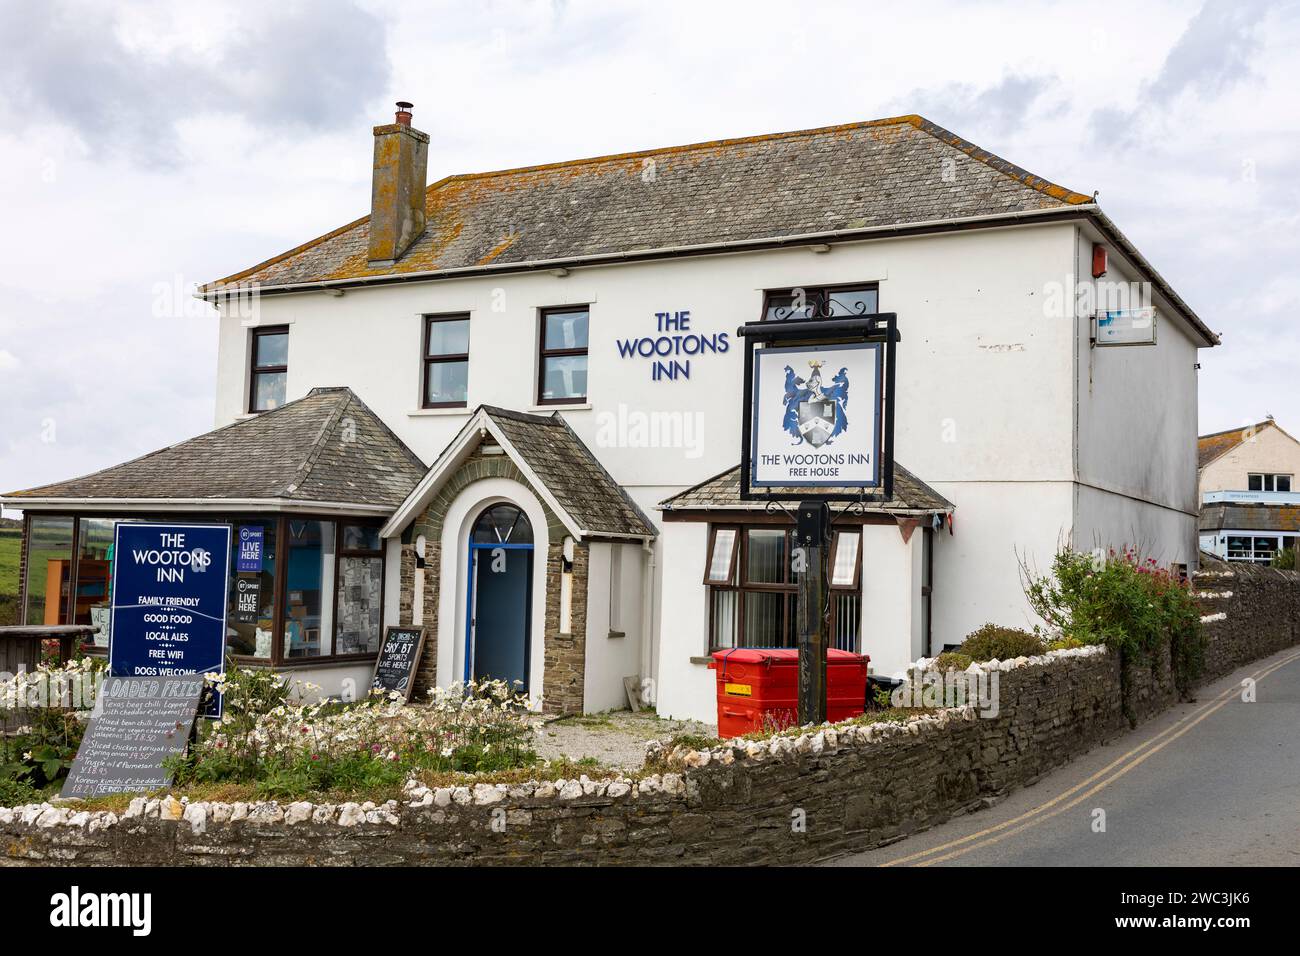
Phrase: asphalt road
{"type": "Point", "coordinates": [1210, 783]}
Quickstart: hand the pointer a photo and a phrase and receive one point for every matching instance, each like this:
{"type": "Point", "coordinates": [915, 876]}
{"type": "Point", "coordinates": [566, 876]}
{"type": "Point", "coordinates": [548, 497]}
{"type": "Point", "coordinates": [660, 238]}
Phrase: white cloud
{"type": "Point", "coordinates": [167, 140]}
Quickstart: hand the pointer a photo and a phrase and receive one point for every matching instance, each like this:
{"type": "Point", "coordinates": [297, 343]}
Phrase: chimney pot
{"type": "Point", "coordinates": [404, 112]}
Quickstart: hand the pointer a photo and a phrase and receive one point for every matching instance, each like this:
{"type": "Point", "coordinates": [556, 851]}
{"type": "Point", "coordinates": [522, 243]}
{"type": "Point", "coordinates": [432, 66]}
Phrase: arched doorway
{"type": "Point", "coordinates": [500, 595]}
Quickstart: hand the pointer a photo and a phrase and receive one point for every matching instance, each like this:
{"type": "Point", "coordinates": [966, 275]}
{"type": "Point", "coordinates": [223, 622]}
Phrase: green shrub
{"type": "Point", "coordinates": [14, 793]}
{"type": "Point", "coordinates": [953, 660]}
{"type": "Point", "coordinates": [993, 642]}
{"type": "Point", "coordinates": [1284, 560]}
{"type": "Point", "coordinates": [1129, 603]}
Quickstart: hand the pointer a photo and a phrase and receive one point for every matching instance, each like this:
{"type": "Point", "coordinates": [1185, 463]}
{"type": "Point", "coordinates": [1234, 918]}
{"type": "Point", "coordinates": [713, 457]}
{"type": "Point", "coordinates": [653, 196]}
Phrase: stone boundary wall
{"type": "Point", "coordinates": [1249, 612]}
{"type": "Point", "coordinates": [851, 786]}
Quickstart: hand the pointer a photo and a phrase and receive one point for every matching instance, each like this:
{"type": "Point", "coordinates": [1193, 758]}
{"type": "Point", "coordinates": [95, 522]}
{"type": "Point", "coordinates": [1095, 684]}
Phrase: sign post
{"type": "Point", "coordinates": [170, 588]}
{"type": "Point", "coordinates": [818, 426]}
{"type": "Point", "coordinates": [812, 532]}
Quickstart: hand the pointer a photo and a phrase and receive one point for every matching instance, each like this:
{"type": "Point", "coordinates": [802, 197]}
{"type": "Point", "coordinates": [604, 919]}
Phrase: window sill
{"type": "Point", "coordinates": [301, 663]}
{"type": "Point", "coordinates": [560, 407]}
{"type": "Point", "coordinates": [436, 412]}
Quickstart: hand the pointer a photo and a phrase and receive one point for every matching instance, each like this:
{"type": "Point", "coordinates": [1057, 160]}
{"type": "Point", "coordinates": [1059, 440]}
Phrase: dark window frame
{"type": "Point", "coordinates": [543, 353]}
{"type": "Point", "coordinates": [427, 361]}
{"type": "Point", "coordinates": [341, 552]}
{"type": "Point", "coordinates": [816, 294]}
{"type": "Point", "coordinates": [788, 586]}
{"type": "Point", "coordinates": [735, 554]}
{"type": "Point", "coordinates": [856, 586]}
{"type": "Point", "coordinates": [255, 370]}
{"type": "Point", "coordinates": [277, 660]}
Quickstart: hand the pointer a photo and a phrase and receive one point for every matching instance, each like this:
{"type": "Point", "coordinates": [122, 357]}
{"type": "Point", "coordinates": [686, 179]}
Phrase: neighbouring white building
{"type": "Point", "coordinates": [535, 373]}
{"type": "Point", "coordinates": [1250, 505]}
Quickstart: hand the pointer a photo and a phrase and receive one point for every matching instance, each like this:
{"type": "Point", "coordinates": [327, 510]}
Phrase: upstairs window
{"type": "Point", "coordinates": [1265, 482]}
{"type": "Point", "coordinates": [446, 361]}
{"type": "Point", "coordinates": [825, 302]}
{"type": "Point", "coordinates": [562, 358]}
{"type": "Point", "coordinates": [269, 359]}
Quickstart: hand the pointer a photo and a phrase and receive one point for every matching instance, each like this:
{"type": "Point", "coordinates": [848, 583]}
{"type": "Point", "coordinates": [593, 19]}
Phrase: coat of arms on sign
{"type": "Point", "coordinates": [815, 413]}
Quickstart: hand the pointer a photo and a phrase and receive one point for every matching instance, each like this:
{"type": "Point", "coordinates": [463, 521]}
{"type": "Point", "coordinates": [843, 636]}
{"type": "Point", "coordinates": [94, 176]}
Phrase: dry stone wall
{"type": "Point", "coordinates": [780, 800]}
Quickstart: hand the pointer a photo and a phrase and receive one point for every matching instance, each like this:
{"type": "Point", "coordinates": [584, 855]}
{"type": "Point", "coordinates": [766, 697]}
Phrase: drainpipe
{"type": "Point", "coordinates": [648, 676]}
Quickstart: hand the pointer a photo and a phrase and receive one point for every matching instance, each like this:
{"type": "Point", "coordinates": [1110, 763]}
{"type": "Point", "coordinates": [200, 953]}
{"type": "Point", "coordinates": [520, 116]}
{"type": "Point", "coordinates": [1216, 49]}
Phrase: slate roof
{"type": "Point", "coordinates": [911, 495]}
{"type": "Point", "coordinates": [877, 173]}
{"type": "Point", "coordinates": [1249, 516]}
{"type": "Point", "coordinates": [1210, 447]}
{"type": "Point", "coordinates": [571, 473]}
{"type": "Point", "coordinates": [326, 447]}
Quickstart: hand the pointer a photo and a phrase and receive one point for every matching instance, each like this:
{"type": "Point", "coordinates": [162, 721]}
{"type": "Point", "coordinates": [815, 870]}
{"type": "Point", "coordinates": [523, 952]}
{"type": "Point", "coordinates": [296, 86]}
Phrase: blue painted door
{"type": "Point", "coordinates": [499, 624]}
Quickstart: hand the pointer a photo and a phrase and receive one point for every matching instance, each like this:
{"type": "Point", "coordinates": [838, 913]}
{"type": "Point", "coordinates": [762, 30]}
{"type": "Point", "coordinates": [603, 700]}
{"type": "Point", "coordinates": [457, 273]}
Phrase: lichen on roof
{"type": "Point", "coordinates": [876, 173]}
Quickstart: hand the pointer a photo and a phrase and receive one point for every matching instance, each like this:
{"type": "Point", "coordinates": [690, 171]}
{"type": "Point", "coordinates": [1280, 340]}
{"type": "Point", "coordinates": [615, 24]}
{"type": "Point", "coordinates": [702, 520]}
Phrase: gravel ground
{"type": "Point", "coordinates": [615, 739]}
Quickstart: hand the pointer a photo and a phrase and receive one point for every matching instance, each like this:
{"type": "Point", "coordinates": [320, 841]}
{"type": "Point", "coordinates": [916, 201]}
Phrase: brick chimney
{"type": "Point", "coordinates": [397, 189]}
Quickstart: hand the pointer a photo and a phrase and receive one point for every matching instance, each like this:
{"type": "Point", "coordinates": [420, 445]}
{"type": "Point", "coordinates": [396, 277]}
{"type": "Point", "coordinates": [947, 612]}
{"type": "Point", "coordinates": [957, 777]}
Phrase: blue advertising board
{"type": "Point", "coordinates": [248, 556]}
{"type": "Point", "coordinates": [170, 587]}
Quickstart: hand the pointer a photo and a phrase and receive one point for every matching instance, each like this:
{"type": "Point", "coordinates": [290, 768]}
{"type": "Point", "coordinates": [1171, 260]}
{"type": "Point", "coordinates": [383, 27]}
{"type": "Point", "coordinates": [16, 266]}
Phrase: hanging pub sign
{"type": "Point", "coordinates": [399, 656]}
{"type": "Point", "coordinates": [816, 417]}
{"type": "Point", "coordinates": [170, 586]}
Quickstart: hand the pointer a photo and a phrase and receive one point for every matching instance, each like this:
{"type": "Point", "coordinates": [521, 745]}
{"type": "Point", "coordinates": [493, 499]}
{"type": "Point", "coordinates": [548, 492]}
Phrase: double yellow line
{"type": "Point", "coordinates": [1099, 780]}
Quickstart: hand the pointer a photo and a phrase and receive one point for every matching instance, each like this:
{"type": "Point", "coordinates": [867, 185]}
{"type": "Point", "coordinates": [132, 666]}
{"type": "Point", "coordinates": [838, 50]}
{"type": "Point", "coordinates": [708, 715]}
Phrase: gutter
{"type": "Point", "coordinates": [660, 252]}
{"type": "Point", "coordinates": [277, 505]}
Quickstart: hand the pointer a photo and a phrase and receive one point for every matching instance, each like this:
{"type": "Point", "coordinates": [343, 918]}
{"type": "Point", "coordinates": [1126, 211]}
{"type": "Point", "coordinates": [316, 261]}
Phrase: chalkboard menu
{"type": "Point", "coordinates": [136, 723]}
{"type": "Point", "coordinates": [399, 656]}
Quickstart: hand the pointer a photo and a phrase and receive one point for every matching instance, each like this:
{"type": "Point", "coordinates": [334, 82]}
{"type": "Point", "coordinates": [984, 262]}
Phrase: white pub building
{"type": "Point", "coordinates": [536, 372]}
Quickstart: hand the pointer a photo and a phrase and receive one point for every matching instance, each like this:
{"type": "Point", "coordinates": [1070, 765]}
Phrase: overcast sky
{"type": "Point", "coordinates": [146, 146]}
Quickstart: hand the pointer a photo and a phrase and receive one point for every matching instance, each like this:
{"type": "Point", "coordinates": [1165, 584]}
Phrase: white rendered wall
{"type": "Point", "coordinates": [986, 408]}
{"type": "Point", "coordinates": [609, 657]}
{"type": "Point", "coordinates": [891, 593]}
{"type": "Point", "coordinates": [685, 689]}
{"type": "Point", "coordinates": [1137, 425]}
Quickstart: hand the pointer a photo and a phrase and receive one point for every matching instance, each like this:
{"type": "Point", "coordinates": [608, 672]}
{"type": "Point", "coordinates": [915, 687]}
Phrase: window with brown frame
{"type": "Point", "coordinates": [445, 383]}
{"type": "Point", "coordinates": [824, 302]}
{"type": "Point", "coordinates": [268, 368]}
{"type": "Point", "coordinates": [562, 355]}
{"type": "Point", "coordinates": [753, 594]}
{"type": "Point", "coordinates": [359, 591]}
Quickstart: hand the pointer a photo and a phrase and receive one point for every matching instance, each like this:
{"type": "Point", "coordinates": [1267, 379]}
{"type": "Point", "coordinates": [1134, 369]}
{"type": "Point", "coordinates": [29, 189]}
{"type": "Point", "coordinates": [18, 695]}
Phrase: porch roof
{"type": "Point", "coordinates": [556, 462]}
{"type": "Point", "coordinates": [912, 496]}
{"type": "Point", "coordinates": [325, 452]}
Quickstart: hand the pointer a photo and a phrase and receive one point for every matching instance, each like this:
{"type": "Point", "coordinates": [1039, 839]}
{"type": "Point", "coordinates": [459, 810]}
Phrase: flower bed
{"type": "Point", "coordinates": [51, 704]}
{"type": "Point", "coordinates": [270, 746]}
{"type": "Point", "coordinates": [282, 749]}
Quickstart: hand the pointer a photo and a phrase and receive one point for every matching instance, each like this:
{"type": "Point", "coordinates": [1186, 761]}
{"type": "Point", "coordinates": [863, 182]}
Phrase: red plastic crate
{"type": "Point", "coordinates": [758, 688]}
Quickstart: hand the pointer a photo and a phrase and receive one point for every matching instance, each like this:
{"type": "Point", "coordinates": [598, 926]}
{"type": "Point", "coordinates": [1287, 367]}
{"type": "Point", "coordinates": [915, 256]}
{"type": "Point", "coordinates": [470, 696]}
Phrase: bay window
{"type": "Point", "coordinates": [753, 592]}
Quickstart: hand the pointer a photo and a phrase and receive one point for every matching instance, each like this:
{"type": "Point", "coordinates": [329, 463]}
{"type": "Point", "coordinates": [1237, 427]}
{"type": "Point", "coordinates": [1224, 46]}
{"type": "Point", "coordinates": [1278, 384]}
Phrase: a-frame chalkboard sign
{"type": "Point", "coordinates": [399, 657]}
